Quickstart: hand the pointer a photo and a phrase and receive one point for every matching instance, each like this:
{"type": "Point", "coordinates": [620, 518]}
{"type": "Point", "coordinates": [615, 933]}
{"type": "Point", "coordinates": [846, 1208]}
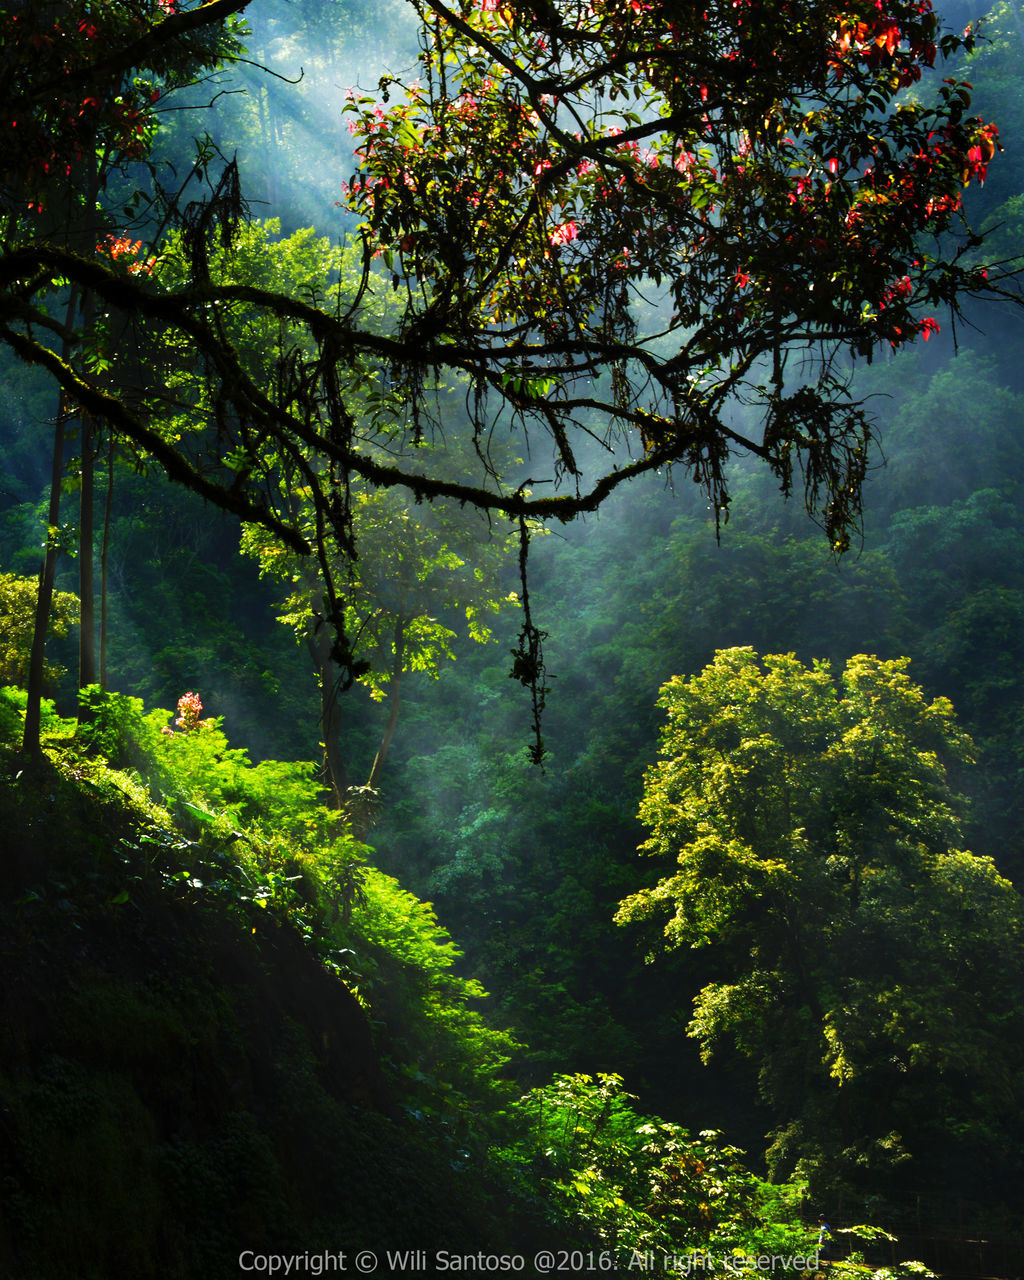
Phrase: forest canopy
{"type": "Point", "coordinates": [610, 225]}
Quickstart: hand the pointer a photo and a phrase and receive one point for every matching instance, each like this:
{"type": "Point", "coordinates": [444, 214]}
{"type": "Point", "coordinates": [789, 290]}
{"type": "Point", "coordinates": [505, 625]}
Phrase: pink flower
{"type": "Point", "coordinates": [190, 708]}
{"type": "Point", "coordinates": [564, 234]}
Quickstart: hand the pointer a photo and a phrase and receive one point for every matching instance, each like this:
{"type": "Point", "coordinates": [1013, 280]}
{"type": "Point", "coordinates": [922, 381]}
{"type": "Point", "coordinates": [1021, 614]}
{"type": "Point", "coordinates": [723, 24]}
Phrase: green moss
{"type": "Point", "coordinates": [80, 1193]}
{"type": "Point", "coordinates": [109, 1024]}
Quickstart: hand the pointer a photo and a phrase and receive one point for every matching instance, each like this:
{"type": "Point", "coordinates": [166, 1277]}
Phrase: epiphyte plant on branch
{"type": "Point", "coordinates": [554, 169]}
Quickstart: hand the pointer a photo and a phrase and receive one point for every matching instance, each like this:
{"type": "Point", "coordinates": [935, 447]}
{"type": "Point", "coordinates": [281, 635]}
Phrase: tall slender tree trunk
{"type": "Point", "coordinates": [319, 645]}
{"type": "Point", "coordinates": [33, 710]}
{"type": "Point", "coordinates": [104, 559]}
{"type": "Point", "coordinates": [86, 587]}
{"type": "Point", "coordinates": [86, 524]}
{"type": "Point", "coordinates": [356, 802]}
{"type": "Point", "coordinates": [79, 233]}
{"type": "Point", "coordinates": [395, 698]}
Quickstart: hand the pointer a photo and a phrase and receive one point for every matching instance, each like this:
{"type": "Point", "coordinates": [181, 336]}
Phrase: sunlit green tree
{"type": "Point", "coordinates": [18, 597]}
{"type": "Point", "coordinates": [870, 967]}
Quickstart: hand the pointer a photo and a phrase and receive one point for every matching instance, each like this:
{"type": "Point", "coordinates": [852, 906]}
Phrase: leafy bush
{"type": "Point", "coordinates": [429, 1023]}
{"type": "Point", "coordinates": [12, 717]}
{"type": "Point", "coordinates": [18, 597]}
{"type": "Point", "coordinates": [639, 1184]}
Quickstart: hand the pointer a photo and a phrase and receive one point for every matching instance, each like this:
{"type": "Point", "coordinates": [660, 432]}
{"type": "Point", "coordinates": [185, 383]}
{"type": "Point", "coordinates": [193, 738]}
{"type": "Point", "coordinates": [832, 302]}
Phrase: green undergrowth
{"type": "Point", "coordinates": [202, 1047]}
{"type": "Point", "coordinates": [258, 843]}
{"type": "Point", "coordinates": [222, 1029]}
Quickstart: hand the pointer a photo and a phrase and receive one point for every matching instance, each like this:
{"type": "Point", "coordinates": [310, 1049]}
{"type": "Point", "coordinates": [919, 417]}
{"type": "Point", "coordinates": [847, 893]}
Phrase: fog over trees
{"type": "Point", "coordinates": [511, 635]}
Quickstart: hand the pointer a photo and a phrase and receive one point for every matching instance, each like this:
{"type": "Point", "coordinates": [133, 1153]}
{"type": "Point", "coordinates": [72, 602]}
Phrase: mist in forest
{"type": "Point", "coordinates": [642, 553]}
{"type": "Point", "coordinates": [527, 865]}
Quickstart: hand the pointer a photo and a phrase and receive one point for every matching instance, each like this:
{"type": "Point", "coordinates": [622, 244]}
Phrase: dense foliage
{"type": "Point", "coordinates": [227, 943]}
{"type": "Point", "coordinates": [330, 905]}
{"type": "Point", "coordinates": [765, 182]}
{"type": "Point", "coordinates": [816, 842]}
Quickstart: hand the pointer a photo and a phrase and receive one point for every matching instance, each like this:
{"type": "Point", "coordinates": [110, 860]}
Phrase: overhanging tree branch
{"type": "Point", "coordinates": [111, 409]}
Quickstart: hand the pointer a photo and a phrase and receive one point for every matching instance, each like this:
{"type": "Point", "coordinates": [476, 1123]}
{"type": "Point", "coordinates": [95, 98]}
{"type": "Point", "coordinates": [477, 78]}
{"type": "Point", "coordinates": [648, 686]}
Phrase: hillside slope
{"type": "Point", "coordinates": [180, 1082]}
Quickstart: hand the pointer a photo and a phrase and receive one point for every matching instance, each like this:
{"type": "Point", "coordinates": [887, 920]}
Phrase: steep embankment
{"type": "Point", "coordinates": [180, 1080]}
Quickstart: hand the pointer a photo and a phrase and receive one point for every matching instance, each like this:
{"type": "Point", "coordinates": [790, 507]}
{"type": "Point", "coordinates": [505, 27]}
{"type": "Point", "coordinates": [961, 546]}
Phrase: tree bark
{"type": "Point", "coordinates": [30, 743]}
{"type": "Point", "coordinates": [319, 645]}
{"type": "Point", "coordinates": [86, 584]}
{"type": "Point", "coordinates": [104, 560]}
{"type": "Point", "coordinates": [395, 697]}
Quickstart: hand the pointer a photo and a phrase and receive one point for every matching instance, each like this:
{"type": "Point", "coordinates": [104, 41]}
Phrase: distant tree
{"type": "Point", "coordinates": [871, 967]}
{"type": "Point", "coordinates": [420, 572]}
{"type": "Point", "coordinates": [926, 463]}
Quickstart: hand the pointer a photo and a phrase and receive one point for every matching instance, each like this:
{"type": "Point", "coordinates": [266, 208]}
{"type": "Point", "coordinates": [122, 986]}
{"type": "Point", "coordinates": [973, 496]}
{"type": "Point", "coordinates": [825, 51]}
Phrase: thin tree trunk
{"type": "Point", "coordinates": [104, 559]}
{"type": "Point", "coordinates": [86, 586]}
{"type": "Point", "coordinates": [79, 235]}
{"type": "Point", "coordinates": [319, 646]}
{"type": "Point", "coordinates": [30, 743]}
{"type": "Point", "coordinates": [86, 525]}
{"type": "Point", "coordinates": [395, 695]}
